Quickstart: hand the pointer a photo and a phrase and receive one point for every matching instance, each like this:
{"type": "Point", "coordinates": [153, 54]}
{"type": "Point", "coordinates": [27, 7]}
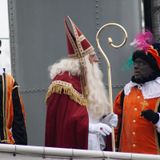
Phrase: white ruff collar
{"type": "Point", "coordinates": [149, 89]}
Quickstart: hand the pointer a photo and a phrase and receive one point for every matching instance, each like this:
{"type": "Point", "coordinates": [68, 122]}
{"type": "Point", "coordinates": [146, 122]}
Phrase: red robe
{"type": "Point", "coordinates": [67, 117]}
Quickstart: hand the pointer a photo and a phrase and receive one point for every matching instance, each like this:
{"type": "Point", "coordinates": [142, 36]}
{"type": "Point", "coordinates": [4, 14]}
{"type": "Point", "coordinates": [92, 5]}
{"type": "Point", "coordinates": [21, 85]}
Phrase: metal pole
{"type": "Point", "coordinates": [110, 41]}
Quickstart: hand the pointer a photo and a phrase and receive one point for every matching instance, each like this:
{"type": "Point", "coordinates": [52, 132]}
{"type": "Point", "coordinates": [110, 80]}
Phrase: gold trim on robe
{"type": "Point", "coordinates": [60, 87]}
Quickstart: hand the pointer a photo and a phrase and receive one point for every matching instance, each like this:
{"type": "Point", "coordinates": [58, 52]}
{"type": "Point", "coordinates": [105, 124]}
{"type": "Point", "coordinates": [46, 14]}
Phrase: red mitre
{"type": "Point", "coordinates": [77, 43]}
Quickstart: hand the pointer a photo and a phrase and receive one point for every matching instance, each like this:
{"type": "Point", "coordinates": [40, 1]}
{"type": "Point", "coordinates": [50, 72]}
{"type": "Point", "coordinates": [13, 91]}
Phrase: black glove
{"type": "Point", "coordinates": [150, 116]}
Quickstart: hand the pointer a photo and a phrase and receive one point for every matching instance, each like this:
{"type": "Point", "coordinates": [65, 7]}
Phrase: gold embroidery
{"type": "Point", "coordinates": [144, 104]}
{"type": "Point", "coordinates": [66, 88]}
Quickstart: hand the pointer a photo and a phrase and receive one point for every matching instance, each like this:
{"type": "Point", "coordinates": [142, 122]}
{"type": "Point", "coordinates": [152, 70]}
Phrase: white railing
{"type": "Point", "coordinates": [38, 152]}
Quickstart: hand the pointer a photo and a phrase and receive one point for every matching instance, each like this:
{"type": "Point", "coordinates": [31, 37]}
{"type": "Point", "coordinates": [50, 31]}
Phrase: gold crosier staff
{"type": "Point", "coordinates": [108, 64]}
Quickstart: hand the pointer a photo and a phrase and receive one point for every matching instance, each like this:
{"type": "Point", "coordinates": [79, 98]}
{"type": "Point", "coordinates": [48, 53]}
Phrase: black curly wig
{"type": "Point", "coordinates": [150, 60]}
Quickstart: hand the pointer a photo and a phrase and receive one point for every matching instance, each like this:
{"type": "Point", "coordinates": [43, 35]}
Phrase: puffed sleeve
{"type": "Point", "coordinates": [118, 110]}
{"type": "Point", "coordinates": [19, 126]}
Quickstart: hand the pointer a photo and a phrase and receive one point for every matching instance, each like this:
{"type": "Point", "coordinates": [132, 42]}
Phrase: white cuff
{"type": "Point", "coordinates": [158, 124]}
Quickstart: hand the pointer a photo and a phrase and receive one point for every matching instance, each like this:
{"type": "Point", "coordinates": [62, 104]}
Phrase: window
{"type": "Point", "coordinates": [5, 60]}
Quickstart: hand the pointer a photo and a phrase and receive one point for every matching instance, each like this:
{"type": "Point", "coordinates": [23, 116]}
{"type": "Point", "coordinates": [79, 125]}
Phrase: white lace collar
{"type": "Point", "coordinates": [149, 89]}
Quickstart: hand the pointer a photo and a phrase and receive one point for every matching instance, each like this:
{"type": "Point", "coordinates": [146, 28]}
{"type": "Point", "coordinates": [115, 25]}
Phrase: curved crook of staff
{"type": "Point", "coordinates": [110, 41]}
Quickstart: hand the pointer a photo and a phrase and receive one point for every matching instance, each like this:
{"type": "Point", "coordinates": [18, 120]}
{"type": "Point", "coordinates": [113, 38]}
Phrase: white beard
{"type": "Point", "coordinates": [98, 99]}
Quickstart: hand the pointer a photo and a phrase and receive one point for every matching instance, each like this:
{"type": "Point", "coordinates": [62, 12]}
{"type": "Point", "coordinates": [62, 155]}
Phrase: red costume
{"type": "Point", "coordinates": [67, 117]}
{"type": "Point", "coordinates": [68, 120]}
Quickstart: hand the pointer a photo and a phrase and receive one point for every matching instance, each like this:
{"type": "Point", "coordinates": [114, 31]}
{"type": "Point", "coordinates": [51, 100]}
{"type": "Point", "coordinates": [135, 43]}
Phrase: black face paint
{"type": "Point", "coordinates": [143, 72]}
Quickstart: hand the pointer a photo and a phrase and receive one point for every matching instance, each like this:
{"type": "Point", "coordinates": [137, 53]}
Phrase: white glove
{"type": "Point", "coordinates": [100, 128]}
{"type": "Point", "coordinates": [111, 119]}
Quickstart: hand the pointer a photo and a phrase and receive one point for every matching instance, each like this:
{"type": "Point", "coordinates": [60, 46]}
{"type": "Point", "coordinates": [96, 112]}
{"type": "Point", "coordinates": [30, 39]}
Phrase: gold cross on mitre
{"type": "Point", "coordinates": [144, 104]}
